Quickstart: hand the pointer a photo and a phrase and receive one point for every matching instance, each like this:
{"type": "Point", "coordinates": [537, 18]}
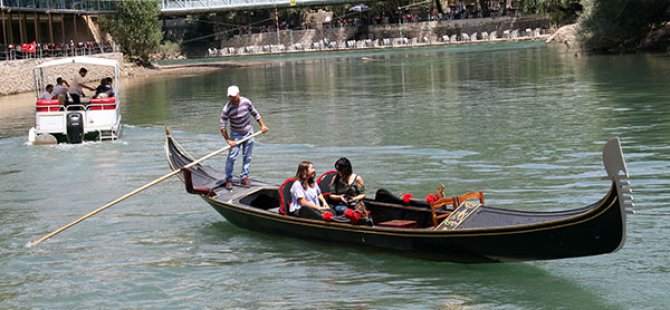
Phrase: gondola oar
{"type": "Point", "coordinates": [136, 191]}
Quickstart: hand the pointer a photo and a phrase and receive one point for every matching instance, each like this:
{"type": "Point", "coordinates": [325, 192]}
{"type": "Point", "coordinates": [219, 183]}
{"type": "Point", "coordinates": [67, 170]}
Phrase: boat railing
{"type": "Point", "coordinates": [75, 107]}
{"type": "Point", "coordinates": [54, 105]}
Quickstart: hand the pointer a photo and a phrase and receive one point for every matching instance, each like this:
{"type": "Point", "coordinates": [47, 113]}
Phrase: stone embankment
{"type": "Point", "coordinates": [390, 35]}
{"type": "Point", "coordinates": [16, 76]}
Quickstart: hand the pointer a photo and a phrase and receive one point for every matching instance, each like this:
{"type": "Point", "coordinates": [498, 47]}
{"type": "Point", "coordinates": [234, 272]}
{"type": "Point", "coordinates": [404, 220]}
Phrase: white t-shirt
{"type": "Point", "coordinates": [311, 194]}
{"type": "Point", "coordinates": [61, 90]}
{"type": "Point", "coordinates": [74, 86]}
{"type": "Point", "coordinates": [47, 95]}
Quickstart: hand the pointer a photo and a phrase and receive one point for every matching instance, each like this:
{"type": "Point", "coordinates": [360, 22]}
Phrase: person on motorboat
{"type": "Point", "coordinates": [61, 89]}
{"type": "Point", "coordinates": [104, 90]}
{"type": "Point", "coordinates": [76, 88]}
{"type": "Point", "coordinates": [306, 198]}
{"type": "Point", "coordinates": [347, 190]}
{"type": "Point", "coordinates": [237, 112]}
{"type": "Point", "coordinates": [49, 93]}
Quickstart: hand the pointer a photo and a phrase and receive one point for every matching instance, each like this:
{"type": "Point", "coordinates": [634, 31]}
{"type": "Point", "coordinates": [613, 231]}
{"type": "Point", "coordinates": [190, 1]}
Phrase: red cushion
{"type": "Point", "coordinates": [103, 104]}
{"type": "Point", "coordinates": [103, 100]}
{"type": "Point", "coordinates": [47, 105]}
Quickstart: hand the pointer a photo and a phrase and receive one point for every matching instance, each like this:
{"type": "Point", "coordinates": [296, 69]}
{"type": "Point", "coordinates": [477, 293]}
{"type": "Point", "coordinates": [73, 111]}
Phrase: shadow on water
{"type": "Point", "coordinates": [365, 275]}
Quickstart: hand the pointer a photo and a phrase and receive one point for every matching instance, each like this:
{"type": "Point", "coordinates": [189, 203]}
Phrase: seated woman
{"type": "Point", "coordinates": [347, 189]}
{"type": "Point", "coordinates": [306, 198]}
{"type": "Point", "coordinates": [104, 90]}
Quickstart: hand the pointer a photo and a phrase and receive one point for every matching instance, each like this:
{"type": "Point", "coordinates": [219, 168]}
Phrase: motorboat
{"type": "Point", "coordinates": [60, 121]}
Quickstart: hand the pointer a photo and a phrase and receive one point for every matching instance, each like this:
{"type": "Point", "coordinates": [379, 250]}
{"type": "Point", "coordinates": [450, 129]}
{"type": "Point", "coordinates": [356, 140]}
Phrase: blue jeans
{"type": "Point", "coordinates": [340, 209]}
{"type": "Point", "coordinates": [233, 152]}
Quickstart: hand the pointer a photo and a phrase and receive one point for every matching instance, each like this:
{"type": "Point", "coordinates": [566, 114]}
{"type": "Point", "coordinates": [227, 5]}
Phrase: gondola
{"type": "Point", "coordinates": [454, 230]}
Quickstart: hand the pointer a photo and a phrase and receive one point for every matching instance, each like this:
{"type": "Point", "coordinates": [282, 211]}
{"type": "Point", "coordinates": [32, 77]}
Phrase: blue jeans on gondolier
{"type": "Point", "coordinates": [235, 151]}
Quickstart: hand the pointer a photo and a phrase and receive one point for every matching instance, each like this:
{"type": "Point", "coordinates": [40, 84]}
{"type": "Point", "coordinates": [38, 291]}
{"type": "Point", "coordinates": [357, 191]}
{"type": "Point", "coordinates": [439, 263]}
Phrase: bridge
{"type": "Point", "coordinates": [167, 7]}
{"type": "Point", "coordinates": [181, 7]}
{"type": "Point", "coordinates": [24, 21]}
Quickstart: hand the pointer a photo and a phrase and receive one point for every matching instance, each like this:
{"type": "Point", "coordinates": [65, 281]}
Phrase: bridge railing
{"type": "Point", "coordinates": [179, 6]}
{"type": "Point", "coordinates": [59, 5]}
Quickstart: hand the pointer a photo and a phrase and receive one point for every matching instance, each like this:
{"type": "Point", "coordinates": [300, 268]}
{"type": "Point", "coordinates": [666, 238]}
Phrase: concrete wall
{"type": "Point", "coordinates": [16, 76]}
{"type": "Point", "coordinates": [408, 30]}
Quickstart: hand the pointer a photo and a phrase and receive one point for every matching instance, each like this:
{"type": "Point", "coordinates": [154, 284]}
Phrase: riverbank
{"type": "Point", "coordinates": [16, 75]}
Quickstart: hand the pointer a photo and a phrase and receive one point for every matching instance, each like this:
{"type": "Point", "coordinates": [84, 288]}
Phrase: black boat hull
{"type": "Point", "coordinates": [596, 233]}
{"type": "Point", "coordinates": [486, 235]}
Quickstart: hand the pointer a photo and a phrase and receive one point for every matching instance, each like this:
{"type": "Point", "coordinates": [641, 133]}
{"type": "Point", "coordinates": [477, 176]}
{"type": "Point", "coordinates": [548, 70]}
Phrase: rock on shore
{"type": "Point", "coordinates": [566, 35]}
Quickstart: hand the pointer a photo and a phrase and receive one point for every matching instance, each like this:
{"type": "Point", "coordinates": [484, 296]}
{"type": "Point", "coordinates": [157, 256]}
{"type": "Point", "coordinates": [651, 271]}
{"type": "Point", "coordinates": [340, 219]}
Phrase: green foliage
{"type": "Point", "coordinates": [135, 27]}
{"type": "Point", "coordinates": [620, 24]}
{"type": "Point", "coordinates": [168, 50]}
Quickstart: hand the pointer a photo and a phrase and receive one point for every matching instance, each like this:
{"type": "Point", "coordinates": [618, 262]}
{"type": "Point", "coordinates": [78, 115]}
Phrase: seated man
{"type": "Point", "coordinates": [306, 198]}
{"type": "Point", "coordinates": [49, 93]}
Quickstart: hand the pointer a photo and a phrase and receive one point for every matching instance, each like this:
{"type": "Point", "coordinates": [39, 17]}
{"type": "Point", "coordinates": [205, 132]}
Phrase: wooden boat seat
{"type": "Point", "coordinates": [324, 182]}
{"type": "Point", "coordinates": [285, 195]}
{"type": "Point", "coordinates": [198, 190]}
{"type": "Point", "coordinates": [442, 202]}
{"type": "Point", "coordinates": [470, 196]}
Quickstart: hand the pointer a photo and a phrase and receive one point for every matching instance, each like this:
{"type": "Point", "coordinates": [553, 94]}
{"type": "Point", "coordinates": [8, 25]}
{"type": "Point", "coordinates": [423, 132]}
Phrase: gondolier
{"type": "Point", "coordinates": [237, 112]}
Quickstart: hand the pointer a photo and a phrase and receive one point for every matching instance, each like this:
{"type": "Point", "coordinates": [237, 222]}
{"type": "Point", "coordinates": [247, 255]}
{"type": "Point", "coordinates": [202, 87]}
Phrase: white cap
{"type": "Point", "coordinates": [233, 91]}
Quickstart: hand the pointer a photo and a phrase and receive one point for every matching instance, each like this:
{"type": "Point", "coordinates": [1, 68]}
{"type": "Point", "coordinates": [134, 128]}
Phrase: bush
{"type": "Point", "coordinates": [620, 25]}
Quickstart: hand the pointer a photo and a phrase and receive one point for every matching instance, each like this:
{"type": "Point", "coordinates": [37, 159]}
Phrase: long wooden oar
{"type": "Point", "coordinates": [138, 190]}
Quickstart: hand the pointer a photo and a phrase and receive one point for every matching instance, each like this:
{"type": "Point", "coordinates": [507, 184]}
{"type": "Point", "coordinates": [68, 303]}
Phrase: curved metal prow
{"type": "Point", "coordinates": [616, 169]}
{"type": "Point", "coordinates": [615, 165]}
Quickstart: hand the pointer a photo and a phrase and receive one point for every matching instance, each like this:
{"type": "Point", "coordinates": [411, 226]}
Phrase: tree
{"type": "Point", "coordinates": [135, 27]}
{"type": "Point", "coordinates": [622, 24]}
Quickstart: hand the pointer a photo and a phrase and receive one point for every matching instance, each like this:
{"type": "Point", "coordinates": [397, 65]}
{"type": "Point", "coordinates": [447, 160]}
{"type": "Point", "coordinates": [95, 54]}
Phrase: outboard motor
{"type": "Point", "coordinates": [75, 128]}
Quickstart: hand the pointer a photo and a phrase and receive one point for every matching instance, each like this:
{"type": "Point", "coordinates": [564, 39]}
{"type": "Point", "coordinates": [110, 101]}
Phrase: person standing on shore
{"type": "Point", "coordinates": [237, 112]}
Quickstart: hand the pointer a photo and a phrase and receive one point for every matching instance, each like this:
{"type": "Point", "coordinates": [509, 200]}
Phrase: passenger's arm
{"type": "Point", "coordinates": [323, 202]}
{"type": "Point", "coordinates": [336, 197]}
{"type": "Point", "coordinates": [361, 185]}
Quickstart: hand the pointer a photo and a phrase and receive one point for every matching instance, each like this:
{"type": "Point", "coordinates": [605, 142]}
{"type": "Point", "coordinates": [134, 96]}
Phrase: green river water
{"type": "Point", "coordinates": [523, 122]}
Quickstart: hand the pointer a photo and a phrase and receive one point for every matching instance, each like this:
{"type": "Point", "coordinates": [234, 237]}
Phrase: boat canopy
{"type": "Point", "coordinates": [39, 70]}
{"type": "Point", "coordinates": [80, 60]}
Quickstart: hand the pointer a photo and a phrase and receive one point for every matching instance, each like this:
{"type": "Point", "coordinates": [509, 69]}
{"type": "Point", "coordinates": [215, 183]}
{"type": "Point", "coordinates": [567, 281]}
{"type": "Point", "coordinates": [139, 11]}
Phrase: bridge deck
{"type": "Point", "coordinates": [168, 7]}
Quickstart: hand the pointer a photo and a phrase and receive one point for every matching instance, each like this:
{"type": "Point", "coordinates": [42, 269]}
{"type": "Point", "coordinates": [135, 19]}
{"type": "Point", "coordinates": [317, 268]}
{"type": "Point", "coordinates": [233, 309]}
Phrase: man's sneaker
{"type": "Point", "coordinates": [245, 181]}
{"type": "Point", "coordinates": [229, 185]}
